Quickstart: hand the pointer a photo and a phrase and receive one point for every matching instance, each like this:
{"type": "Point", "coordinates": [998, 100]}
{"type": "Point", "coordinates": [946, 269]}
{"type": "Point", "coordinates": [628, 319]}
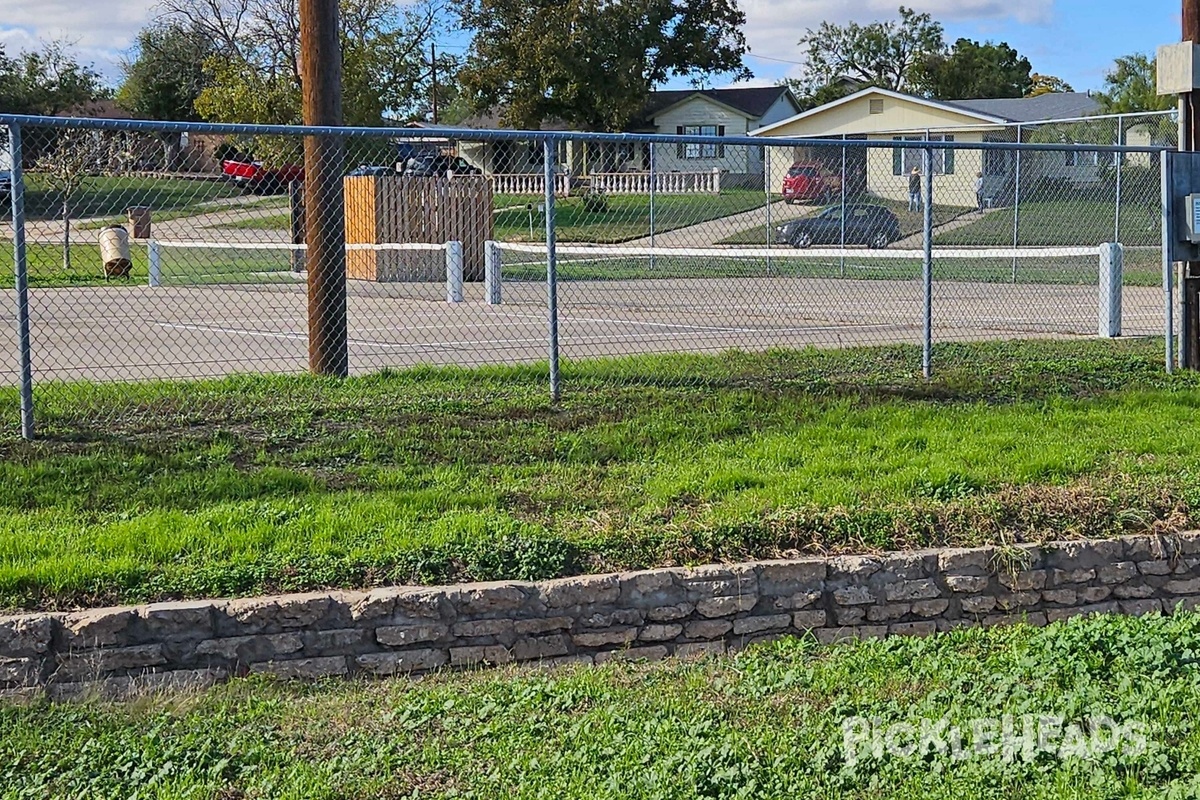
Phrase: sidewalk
{"type": "Point", "coordinates": [705, 234]}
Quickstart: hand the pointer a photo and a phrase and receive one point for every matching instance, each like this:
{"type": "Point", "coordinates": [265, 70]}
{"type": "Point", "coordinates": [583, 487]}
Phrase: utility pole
{"type": "Point", "coordinates": [324, 234]}
{"type": "Point", "coordinates": [1189, 123]}
{"type": "Point", "coordinates": [434, 88]}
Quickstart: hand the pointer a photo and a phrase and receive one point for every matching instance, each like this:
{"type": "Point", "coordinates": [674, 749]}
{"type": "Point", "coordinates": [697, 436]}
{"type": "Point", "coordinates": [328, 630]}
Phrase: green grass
{"type": "Point", "coordinates": [1141, 268]}
{"type": "Point", "coordinates": [192, 211]}
{"type": "Point", "coordinates": [256, 484]}
{"type": "Point", "coordinates": [767, 723]}
{"type": "Point", "coordinates": [180, 267]}
{"type": "Point", "coordinates": [1060, 223]}
{"type": "Point", "coordinates": [911, 222]}
{"type": "Point", "coordinates": [627, 216]}
{"type": "Point", "coordinates": [111, 196]}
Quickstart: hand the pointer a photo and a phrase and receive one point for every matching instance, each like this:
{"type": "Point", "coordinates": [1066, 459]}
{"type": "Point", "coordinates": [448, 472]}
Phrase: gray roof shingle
{"type": "Point", "coordinates": [1058, 105]}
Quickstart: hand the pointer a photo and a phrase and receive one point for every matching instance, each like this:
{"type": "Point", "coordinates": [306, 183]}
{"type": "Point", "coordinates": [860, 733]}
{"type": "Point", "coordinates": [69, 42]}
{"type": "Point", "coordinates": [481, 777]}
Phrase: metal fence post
{"type": "Point", "coordinates": [927, 263]}
{"type": "Point", "coordinates": [653, 188]}
{"type": "Point", "coordinates": [842, 239]}
{"type": "Point", "coordinates": [767, 191]}
{"type": "Point", "coordinates": [1016, 206]}
{"type": "Point", "coordinates": [551, 267]}
{"type": "Point", "coordinates": [21, 276]}
{"type": "Point", "coordinates": [1168, 281]}
{"type": "Point", "coordinates": [1118, 157]}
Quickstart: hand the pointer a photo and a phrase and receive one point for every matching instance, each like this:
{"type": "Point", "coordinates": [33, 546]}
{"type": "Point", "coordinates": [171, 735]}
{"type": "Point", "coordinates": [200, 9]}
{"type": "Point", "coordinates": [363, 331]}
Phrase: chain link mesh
{"type": "Point", "coordinates": [158, 256]}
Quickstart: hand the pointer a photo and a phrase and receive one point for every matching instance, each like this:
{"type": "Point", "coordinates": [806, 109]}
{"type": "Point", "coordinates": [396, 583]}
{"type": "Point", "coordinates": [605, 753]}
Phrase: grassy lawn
{"type": "Point", "coordinates": [180, 267]}
{"type": "Point", "coordinates": [1059, 223]}
{"type": "Point", "coordinates": [111, 196]}
{"type": "Point", "coordinates": [911, 222]}
{"type": "Point", "coordinates": [205, 207]}
{"type": "Point", "coordinates": [258, 484]}
{"type": "Point", "coordinates": [766, 723]}
{"type": "Point", "coordinates": [627, 216]}
{"type": "Point", "coordinates": [1142, 268]}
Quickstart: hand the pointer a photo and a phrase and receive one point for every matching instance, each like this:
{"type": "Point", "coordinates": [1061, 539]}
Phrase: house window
{"type": "Point", "coordinates": [696, 150]}
{"type": "Point", "coordinates": [876, 107]}
{"type": "Point", "coordinates": [1081, 158]}
{"type": "Point", "coordinates": [904, 159]}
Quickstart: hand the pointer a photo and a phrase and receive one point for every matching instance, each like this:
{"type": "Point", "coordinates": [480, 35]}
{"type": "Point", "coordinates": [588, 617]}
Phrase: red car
{"type": "Point", "coordinates": [254, 177]}
{"type": "Point", "coordinates": [809, 183]}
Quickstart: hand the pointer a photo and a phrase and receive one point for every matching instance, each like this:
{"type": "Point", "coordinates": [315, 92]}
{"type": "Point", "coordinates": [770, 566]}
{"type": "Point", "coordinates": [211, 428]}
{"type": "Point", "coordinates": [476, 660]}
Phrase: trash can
{"type": "Point", "coordinates": [139, 221]}
{"type": "Point", "coordinates": [114, 252]}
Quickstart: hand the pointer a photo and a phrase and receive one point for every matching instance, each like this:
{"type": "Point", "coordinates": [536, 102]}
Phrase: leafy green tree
{"type": "Point", "coordinates": [1131, 86]}
{"type": "Point", "coordinates": [592, 63]}
{"type": "Point", "coordinates": [164, 78]}
{"type": "Point", "coordinates": [253, 73]}
{"type": "Point", "coordinates": [47, 81]}
{"type": "Point", "coordinates": [1040, 84]}
{"type": "Point", "coordinates": [974, 70]}
{"type": "Point", "coordinates": [891, 54]}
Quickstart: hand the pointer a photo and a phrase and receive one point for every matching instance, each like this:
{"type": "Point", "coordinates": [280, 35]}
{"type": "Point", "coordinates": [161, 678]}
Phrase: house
{"type": "Point", "coordinates": [698, 112]}
{"type": "Point", "coordinates": [876, 114]}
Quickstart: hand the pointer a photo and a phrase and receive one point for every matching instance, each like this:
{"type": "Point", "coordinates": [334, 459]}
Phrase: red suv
{"type": "Point", "coordinates": [809, 183]}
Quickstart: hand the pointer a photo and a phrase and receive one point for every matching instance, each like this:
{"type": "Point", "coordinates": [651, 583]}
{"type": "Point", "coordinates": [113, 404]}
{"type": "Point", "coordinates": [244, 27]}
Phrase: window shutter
{"type": "Point", "coordinates": [720, 147]}
{"type": "Point", "coordinates": [948, 158]}
{"type": "Point", "coordinates": [897, 157]}
{"type": "Point", "coordinates": [679, 146]}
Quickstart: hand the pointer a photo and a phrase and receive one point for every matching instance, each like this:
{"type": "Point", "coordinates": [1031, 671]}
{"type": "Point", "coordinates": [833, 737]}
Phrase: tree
{"type": "Point", "coordinates": [973, 70]}
{"type": "Point", "coordinates": [1040, 84]}
{"type": "Point", "coordinates": [891, 55]}
{"type": "Point", "coordinates": [165, 77]}
{"type": "Point", "coordinates": [592, 63]}
{"type": "Point", "coordinates": [75, 154]}
{"type": "Point", "coordinates": [47, 81]}
{"type": "Point", "coordinates": [254, 73]}
{"type": "Point", "coordinates": [1131, 86]}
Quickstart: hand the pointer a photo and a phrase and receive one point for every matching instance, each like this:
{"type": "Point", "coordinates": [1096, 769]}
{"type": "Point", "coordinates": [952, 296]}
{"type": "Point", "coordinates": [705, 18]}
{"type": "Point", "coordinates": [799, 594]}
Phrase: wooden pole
{"type": "Point", "coordinates": [325, 235]}
{"type": "Point", "coordinates": [1190, 127]}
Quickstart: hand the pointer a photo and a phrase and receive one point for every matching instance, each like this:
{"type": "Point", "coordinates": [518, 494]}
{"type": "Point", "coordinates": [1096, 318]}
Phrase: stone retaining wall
{"type": "Point", "coordinates": [591, 619]}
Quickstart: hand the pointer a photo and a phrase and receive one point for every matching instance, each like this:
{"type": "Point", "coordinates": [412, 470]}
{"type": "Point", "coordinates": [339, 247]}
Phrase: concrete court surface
{"type": "Point", "coordinates": [120, 333]}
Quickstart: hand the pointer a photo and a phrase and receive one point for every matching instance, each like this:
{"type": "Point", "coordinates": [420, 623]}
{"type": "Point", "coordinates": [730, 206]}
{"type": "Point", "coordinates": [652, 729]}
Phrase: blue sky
{"type": "Point", "coordinates": [1073, 39]}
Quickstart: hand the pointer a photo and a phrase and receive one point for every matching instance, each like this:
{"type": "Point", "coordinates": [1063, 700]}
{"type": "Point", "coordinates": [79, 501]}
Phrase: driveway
{"type": "Point", "coordinates": [705, 234]}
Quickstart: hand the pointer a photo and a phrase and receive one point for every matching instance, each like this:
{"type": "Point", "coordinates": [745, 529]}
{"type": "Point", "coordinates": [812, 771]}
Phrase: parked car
{"type": "Point", "coordinates": [366, 170]}
{"type": "Point", "coordinates": [809, 183]}
{"type": "Point", "coordinates": [870, 225]}
{"type": "Point", "coordinates": [5, 187]}
{"type": "Point", "coordinates": [428, 165]}
{"type": "Point", "coordinates": [254, 177]}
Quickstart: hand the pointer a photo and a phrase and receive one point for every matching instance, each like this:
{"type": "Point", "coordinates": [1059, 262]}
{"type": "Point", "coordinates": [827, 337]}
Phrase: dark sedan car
{"type": "Point", "coordinates": [366, 170]}
{"type": "Point", "coordinates": [870, 225]}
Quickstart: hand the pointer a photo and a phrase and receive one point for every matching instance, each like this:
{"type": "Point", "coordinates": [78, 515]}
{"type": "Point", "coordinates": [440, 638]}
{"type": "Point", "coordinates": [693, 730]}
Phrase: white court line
{"type": "Point", "coordinates": [572, 318]}
{"type": "Point", "coordinates": [495, 342]}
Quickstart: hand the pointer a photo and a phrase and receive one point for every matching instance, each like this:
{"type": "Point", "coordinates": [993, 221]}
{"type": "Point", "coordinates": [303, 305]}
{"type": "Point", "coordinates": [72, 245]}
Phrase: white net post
{"type": "Point", "coordinates": [154, 257]}
{"type": "Point", "coordinates": [1111, 274]}
{"type": "Point", "coordinates": [492, 272]}
{"type": "Point", "coordinates": [454, 272]}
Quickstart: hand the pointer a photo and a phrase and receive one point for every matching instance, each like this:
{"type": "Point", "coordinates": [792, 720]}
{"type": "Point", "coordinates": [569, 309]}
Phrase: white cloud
{"type": "Point", "coordinates": [99, 30]}
{"type": "Point", "coordinates": [773, 27]}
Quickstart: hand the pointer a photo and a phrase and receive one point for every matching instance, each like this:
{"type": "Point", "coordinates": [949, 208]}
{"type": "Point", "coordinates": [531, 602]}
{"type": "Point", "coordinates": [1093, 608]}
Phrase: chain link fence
{"type": "Point", "coordinates": [166, 252]}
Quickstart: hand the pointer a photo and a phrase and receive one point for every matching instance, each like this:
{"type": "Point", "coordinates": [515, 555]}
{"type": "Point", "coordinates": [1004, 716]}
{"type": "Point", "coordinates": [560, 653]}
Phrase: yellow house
{"type": "Point", "coordinates": [875, 114]}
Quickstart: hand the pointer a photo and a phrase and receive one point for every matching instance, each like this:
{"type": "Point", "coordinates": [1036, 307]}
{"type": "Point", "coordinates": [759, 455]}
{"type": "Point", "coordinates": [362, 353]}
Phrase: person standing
{"type": "Point", "coordinates": [979, 191]}
{"type": "Point", "coordinates": [914, 190]}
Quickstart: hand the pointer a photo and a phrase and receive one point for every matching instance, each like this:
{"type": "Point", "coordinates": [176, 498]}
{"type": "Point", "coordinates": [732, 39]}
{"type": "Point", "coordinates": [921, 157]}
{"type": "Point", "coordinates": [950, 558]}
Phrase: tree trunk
{"type": "Point", "coordinates": [66, 209]}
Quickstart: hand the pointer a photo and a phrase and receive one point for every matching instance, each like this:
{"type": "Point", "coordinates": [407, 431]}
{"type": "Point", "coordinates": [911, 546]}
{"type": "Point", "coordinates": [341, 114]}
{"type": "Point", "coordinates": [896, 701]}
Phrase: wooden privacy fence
{"type": "Point", "coordinates": [407, 209]}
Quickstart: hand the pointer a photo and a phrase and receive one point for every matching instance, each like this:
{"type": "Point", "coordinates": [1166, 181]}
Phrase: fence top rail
{"type": "Point", "coordinates": [472, 134]}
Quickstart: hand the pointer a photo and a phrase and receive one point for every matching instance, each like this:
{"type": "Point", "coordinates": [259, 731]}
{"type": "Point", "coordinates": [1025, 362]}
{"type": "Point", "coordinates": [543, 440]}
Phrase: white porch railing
{"type": "Point", "coordinates": [529, 183]}
{"type": "Point", "coordinates": [664, 182]}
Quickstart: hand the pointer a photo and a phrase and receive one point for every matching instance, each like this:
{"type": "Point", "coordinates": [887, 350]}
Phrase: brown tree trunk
{"type": "Point", "coordinates": [66, 210]}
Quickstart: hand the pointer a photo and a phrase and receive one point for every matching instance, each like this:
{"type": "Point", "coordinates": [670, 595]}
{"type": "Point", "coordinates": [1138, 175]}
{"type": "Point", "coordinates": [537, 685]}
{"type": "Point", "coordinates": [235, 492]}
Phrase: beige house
{"type": "Point", "coordinates": [875, 114]}
{"type": "Point", "coordinates": [718, 113]}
